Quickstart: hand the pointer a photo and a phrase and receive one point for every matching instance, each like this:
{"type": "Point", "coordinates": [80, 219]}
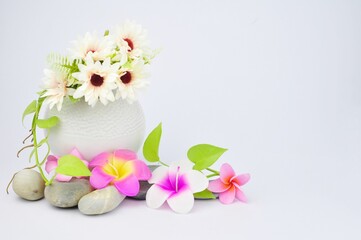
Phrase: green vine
{"type": "Point", "coordinates": [34, 109]}
{"type": "Point", "coordinates": [36, 146]}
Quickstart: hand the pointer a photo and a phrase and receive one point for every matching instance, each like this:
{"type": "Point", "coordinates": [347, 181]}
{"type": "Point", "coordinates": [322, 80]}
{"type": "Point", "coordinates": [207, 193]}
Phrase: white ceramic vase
{"type": "Point", "coordinates": [92, 130]}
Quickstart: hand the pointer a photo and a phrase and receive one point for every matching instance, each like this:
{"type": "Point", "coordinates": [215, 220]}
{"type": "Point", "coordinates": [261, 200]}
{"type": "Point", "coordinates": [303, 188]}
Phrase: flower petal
{"type": "Point", "coordinates": [159, 174]}
{"type": "Point", "coordinates": [125, 154]}
{"type": "Point", "coordinates": [156, 196]}
{"type": "Point", "coordinates": [218, 186]}
{"type": "Point", "coordinates": [100, 179]}
{"type": "Point", "coordinates": [184, 166]}
{"type": "Point", "coordinates": [128, 186]}
{"type": "Point", "coordinates": [141, 170]}
{"type": "Point", "coordinates": [51, 163]}
{"type": "Point", "coordinates": [86, 163]}
{"type": "Point", "coordinates": [182, 201]}
{"type": "Point", "coordinates": [99, 160]}
{"type": "Point", "coordinates": [242, 179]}
{"type": "Point", "coordinates": [76, 153]}
{"type": "Point", "coordinates": [197, 181]}
{"type": "Point", "coordinates": [63, 178]}
{"type": "Point", "coordinates": [228, 196]}
{"type": "Point", "coordinates": [226, 173]}
{"type": "Point", "coordinates": [241, 196]}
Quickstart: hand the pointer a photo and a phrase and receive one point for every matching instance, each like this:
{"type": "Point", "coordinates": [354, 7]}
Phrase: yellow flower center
{"type": "Point", "coordinates": [118, 169]}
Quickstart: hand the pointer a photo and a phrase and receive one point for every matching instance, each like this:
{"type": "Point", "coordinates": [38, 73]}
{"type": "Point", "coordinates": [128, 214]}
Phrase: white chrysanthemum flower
{"type": "Point", "coordinates": [131, 36]}
{"type": "Point", "coordinates": [98, 80]}
{"type": "Point", "coordinates": [121, 55]}
{"type": "Point", "coordinates": [55, 86]}
{"type": "Point", "coordinates": [90, 44]}
{"type": "Point", "coordinates": [130, 81]}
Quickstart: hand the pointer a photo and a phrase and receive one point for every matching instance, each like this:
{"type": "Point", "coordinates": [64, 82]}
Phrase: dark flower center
{"type": "Point", "coordinates": [97, 80]}
{"type": "Point", "coordinates": [130, 43]}
{"type": "Point", "coordinates": [126, 78]}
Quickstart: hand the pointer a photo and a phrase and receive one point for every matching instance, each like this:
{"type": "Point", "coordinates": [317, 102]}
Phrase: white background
{"type": "Point", "coordinates": [276, 82]}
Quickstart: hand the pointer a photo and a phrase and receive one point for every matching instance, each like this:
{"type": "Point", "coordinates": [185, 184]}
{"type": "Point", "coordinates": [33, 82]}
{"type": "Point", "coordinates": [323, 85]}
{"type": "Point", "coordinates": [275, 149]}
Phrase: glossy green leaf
{"type": "Point", "coordinates": [205, 194]}
{"type": "Point", "coordinates": [31, 108]}
{"type": "Point", "coordinates": [204, 155]}
{"type": "Point", "coordinates": [151, 144]}
{"type": "Point", "coordinates": [70, 165]}
{"type": "Point", "coordinates": [47, 123]}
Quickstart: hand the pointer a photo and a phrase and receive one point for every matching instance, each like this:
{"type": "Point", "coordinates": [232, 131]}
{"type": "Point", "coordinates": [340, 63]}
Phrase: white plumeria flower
{"type": "Point", "coordinates": [97, 81]}
{"type": "Point", "coordinates": [130, 81]}
{"type": "Point", "coordinates": [90, 44]}
{"type": "Point", "coordinates": [175, 185]}
{"type": "Point", "coordinates": [131, 36]}
{"type": "Point", "coordinates": [55, 84]}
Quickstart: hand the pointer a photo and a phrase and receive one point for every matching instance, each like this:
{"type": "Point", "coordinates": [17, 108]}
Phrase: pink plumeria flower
{"type": "Point", "coordinates": [52, 163]}
{"type": "Point", "coordinates": [175, 185]}
{"type": "Point", "coordinates": [121, 169]}
{"type": "Point", "coordinates": [229, 185]}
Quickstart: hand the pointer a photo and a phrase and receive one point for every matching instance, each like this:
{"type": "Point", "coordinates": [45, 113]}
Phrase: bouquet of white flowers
{"type": "Point", "coordinates": [102, 69]}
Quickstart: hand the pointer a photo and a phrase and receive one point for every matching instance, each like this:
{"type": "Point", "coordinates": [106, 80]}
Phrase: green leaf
{"type": "Point", "coordinates": [70, 165]}
{"type": "Point", "coordinates": [47, 123]}
{"type": "Point", "coordinates": [205, 194]}
{"type": "Point", "coordinates": [204, 155]}
{"type": "Point", "coordinates": [62, 64]}
{"type": "Point", "coordinates": [106, 33]}
{"type": "Point", "coordinates": [31, 108]}
{"type": "Point", "coordinates": [127, 65]}
{"type": "Point", "coordinates": [151, 144]}
{"type": "Point", "coordinates": [41, 93]}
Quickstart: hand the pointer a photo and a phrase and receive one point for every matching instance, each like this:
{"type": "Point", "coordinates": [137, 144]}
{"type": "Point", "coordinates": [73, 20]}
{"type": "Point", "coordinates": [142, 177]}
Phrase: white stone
{"type": "Point", "coordinates": [29, 184]}
{"type": "Point", "coordinates": [100, 201]}
{"type": "Point", "coordinates": [92, 130]}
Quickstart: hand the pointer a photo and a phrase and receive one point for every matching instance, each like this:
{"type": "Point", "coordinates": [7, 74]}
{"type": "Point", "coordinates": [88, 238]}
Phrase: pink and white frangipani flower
{"type": "Point", "coordinates": [121, 168]}
{"type": "Point", "coordinates": [175, 185]}
{"type": "Point", "coordinates": [52, 163]}
{"type": "Point", "coordinates": [229, 185]}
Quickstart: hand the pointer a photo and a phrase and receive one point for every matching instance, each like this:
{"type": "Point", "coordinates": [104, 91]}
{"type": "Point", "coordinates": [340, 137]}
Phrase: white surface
{"type": "Point", "coordinates": [276, 82]}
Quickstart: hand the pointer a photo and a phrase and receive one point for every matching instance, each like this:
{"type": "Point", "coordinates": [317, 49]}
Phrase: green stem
{"type": "Point", "coordinates": [36, 116]}
{"type": "Point", "coordinates": [213, 171]}
{"type": "Point", "coordinates": [164, 164]}
{"type": "Point", "coordinates": [212, 175]}
{"type": "Point", "coordinates": [47, 154]}
{"type": "Point", "coordinates": [51, 180]}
